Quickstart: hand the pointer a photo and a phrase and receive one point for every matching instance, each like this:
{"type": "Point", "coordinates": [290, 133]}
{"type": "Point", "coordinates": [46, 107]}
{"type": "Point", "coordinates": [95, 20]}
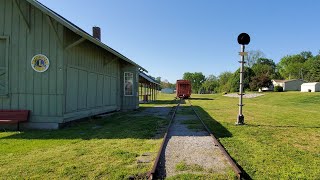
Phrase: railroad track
{"type": "Point", "coordinates": [158, 164]}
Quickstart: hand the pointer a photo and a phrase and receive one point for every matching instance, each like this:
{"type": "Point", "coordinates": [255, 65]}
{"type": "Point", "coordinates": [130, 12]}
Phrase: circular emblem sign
{"type": "Point", "coordinates": [40, 63]}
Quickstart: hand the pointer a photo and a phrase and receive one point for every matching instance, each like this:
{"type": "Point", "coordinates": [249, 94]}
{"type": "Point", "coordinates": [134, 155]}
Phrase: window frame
{"type": "Point", "coordinates": [125, 75]}
{"type": "Point", "coordinates": [6, 92]}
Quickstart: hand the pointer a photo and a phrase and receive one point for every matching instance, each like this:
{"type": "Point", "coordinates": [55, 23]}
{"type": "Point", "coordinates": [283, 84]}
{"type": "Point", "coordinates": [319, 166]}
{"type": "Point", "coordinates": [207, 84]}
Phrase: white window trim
{"type": "Point", "coordinates": [6, 38]}
{"type": "Point", "coordinates": [124, 85]}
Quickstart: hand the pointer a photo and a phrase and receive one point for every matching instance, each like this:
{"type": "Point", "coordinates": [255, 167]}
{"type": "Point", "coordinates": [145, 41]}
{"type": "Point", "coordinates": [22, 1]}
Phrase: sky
{"type": "Point", "coordinates": [171, 37]}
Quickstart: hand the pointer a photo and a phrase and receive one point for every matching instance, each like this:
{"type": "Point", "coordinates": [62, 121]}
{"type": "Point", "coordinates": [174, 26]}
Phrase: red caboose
{"type": "Point", "coordinates": [183, 88]}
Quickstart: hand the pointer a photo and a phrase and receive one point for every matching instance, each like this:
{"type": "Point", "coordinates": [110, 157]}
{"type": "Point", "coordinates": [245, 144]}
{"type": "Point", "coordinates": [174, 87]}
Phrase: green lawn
{"type": "Point", "coordinates": [97, 149]}
{"type": "Point", "coordinates": [281, 138]}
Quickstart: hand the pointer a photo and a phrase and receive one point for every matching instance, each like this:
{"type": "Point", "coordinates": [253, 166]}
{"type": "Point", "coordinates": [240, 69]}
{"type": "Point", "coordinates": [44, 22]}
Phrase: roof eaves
{"type": "Point", "coordinates": [79, 31]}
{"type": "Point", "coordinates": [148, 78]}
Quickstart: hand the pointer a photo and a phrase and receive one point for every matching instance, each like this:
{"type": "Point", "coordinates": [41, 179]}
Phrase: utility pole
{"type": "Point", "coordinates": [243, 39]}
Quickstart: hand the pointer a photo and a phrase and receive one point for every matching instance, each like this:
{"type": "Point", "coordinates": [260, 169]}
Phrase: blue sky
{"type": "Point", "coordinates": [170, 37]}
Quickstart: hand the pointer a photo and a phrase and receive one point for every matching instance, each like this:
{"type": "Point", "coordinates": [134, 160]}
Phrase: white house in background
{"type": "Point", "coordinates": [167, 91]}
{"type": "Point", "coordinates": [288, 85]}
{"type": "Point", "coordinates": [310, 87]}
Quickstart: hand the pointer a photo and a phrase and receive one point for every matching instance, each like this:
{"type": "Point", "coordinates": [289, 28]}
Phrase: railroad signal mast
{"type": "Point", "coordinates": [243, 39]}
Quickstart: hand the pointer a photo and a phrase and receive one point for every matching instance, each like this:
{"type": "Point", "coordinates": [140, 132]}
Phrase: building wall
{"type": "Point", "coordinates": [130, 102]}
{"type": "Point", "coordinates": [305, 88]}
{"type": "Point", "coordinates": [42, 93]}
{"type": "Point", "coordinates": [82, 80]}
{"type": "Point", "coordinates": [277, 84]}
{"type": "Point", "coordinates": [167, 91]}
{"type": "Point", "coordinates": [317, 87]}
{"type": "Point", "coordinates": [312, 87]}
{"type": "Point", "coordinates": [293, 85]}
{"type": "Point", "coordinates": [92, 79]}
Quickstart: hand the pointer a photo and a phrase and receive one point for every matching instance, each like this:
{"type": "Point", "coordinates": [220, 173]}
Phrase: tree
{"type": "Point", "coordinates": [158, 79]}
{"type": "Point", "coordinates": [306, 54]}
{"type": "Point", "coordinates": [253, 56]}
{"type": "Point", "coordinates": [260, 81]}
{"type": "Point", "coordinates": [315, 71]}
{"type": "Point", "coordinates": [210, 85]}
{"type": "Point", "coordinates": [235, 81]}
{"type": "Point", "coordinates": [311, 69]}
{"type": "Point", "coordinates": [292, 66]}
{"type": "Point", "coordinates": [196, 79]}
{"type": "Point", "coordinates": [264, 66]}
{"type": "Point", "coordinates": [264, 70]}
{"type": "Point", "coordinates": [224, 81]}
{"type": "Point", "coordinates": [166, 84]}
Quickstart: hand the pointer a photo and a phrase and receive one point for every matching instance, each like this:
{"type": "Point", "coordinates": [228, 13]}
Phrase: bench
{"type": "Point", "coordinates": [14, 117]}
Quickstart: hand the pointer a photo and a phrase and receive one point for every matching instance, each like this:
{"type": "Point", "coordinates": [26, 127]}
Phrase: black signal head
{"type": "Point", "coordinates": [243, 39]}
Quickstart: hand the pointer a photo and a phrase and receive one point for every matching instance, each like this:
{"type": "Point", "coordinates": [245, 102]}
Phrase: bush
{"type": "Point", "coordinates": [278, 89]}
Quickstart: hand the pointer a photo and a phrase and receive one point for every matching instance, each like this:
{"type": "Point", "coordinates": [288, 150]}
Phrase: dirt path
{"type": "Point", "coordinates": [190, 149]}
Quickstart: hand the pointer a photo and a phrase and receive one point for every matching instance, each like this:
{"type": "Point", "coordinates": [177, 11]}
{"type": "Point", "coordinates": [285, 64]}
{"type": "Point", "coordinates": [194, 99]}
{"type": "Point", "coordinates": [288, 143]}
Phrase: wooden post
{"type": "Point", "coordinates": [145, 91]}
{"type": "Point", "coordinates": [152, 92]}
{"type": "Point", "coordinates": [141, 84]}
{"type": "Point", "coordinates": [157, 92]}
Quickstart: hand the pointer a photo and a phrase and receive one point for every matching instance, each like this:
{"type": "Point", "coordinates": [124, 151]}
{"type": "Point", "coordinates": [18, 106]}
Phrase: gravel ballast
{"type": "Point", "coordinates": [189, 146]}
{"type": "Point", "coordinates": [251, 95]}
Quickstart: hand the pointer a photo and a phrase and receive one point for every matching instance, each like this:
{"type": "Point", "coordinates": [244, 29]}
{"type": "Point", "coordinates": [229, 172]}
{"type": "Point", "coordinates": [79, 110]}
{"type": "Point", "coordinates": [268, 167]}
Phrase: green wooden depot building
{"type": "Point", "coordinates": [56, 70]}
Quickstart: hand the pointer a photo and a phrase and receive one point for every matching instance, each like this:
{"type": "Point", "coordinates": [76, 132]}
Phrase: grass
{"type": "Point", "coordinates": [193, 124]}
{"type": "Point", "coordinates": [183, 166]}
{"type": "Point", "coordinates": [195, 171]}
{"type": "Point", "coordinates": [188, 176]}
{"type": "Point", "coordinates": [98, 149]}
{"type": "Point", "coordinates": [281, 138]}
{"type": "Point", "coordinates": [183, 110]}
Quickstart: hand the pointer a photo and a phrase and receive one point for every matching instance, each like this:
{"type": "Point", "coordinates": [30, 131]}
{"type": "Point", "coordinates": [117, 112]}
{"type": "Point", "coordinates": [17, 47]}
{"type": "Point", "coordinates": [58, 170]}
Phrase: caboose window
{"type": "Point", "coordinates": [128, 84]}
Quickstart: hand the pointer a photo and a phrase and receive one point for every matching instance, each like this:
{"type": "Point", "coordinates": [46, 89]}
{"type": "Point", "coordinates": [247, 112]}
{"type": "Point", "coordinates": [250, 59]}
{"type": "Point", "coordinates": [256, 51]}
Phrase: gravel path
{"type": "Point", "coordinates": [158, 111]}
{"type": "Point", "coordinates": [252, 95]}
{"type": "Point", "coordinates": [190, 149]}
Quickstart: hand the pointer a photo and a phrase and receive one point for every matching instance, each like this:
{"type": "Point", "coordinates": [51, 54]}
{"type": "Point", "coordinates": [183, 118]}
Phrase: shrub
{"type": "Point", "coordinates": [278, 89]}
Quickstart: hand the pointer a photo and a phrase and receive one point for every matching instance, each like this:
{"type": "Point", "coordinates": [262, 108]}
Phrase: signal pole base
{"type": "Point", "coordinates": [240, 120]}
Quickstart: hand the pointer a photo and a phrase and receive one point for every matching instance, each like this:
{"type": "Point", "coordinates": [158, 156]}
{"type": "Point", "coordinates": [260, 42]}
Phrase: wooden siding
{"type": "Point", "coordinates": [83, 79]}
{"type": "Point", "coordinates": [42, 93]}
{"type": "Point", "coordinates": [130, 102]}
{"type": "Point", "coordinates": [92, 77]}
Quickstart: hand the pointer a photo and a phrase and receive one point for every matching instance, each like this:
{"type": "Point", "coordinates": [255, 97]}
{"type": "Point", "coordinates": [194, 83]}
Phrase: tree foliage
{"type": "Point", "coordinates": [224, 81]}
{"type": "Point", "coordinates": [253, 57]}
{"type": "Point", "coordinates": [210, 85]}
{"type": "Point", "coordinates": [258, 73]}
{"type": "Point", "coordinates": [292, 66]}
{"type": "Point", "coordinates": [260, 81]}
{"type": "Point", "coordinates": [264, 66]}
{"type": "Point", "coordinates": [167, 84]}
{"type": "Point", "coordinates": [235, 81]}
{"type": "Point", "coordinates": [311, 69]}
{"type": "Point", "coordinates": [196, 79]}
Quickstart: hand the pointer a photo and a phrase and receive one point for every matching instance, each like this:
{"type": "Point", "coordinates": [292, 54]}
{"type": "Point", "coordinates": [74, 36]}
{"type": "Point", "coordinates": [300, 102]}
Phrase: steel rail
{"type": "Point", "coordinates": [151, 174]}
{"type": "Point", "coordinates": [235, 168]}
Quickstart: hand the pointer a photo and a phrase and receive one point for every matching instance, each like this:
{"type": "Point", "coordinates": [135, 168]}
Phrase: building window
{"type": "Point", "coordinates": [128, 84]}
{"type": "Point", "coordinates": [4, 49]}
